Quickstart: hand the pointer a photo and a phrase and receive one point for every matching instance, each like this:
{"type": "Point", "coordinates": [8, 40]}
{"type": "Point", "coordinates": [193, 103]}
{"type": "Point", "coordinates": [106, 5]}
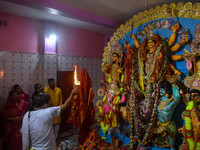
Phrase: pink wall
{"type": "Point", "coordinates": [75, 42]}
{"type": "Point", "coordinates": [27, 35]}
{"type": "Point", "coordinates": [21, 34]}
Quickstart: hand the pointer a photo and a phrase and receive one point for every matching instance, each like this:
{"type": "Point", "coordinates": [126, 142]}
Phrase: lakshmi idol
{"type": "Point", "coordinates": [114, 70]}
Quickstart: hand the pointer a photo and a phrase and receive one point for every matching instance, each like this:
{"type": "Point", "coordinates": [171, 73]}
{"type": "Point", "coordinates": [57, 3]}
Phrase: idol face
{"type": "Point", "coordinates": [111, 93]}
{"type": "Point", "coordinates": [115, 57]}
{"type": "Point", "coordinates": [162, 92]}
{"type": "Point", "coordinates": [151, 43]}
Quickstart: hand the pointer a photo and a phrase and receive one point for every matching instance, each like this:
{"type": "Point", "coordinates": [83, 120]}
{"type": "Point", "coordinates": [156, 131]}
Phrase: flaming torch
{"type": "Point", "coordinates": [76, 82]}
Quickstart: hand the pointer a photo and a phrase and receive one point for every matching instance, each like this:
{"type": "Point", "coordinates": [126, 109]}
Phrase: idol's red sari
{"type": "Point", "coordinates": [13, 137]}
{"type": "Point", "coordinates": [82, 110]}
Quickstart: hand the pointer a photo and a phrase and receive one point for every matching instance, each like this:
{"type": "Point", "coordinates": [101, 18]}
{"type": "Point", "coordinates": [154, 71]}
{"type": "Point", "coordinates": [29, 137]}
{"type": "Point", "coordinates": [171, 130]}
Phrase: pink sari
{"type": "Point", "coordinates": [13, 137]}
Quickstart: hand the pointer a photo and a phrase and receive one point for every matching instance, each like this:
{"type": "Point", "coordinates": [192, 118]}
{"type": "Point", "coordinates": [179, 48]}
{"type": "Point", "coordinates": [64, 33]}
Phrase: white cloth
{"type": "Point", "coordinates": [56, 128]}
{"type": "Point", "coordinates": [39, 129]}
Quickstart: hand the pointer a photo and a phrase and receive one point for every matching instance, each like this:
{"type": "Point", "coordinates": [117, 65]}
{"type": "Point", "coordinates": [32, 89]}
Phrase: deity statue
{"type": "Point", "coordinates": [114, 69]}
{"type": "Point", "coordinates": [192, 126]}
{"type": "Point", "coordinates": [108, 108]}
{"type": "Point", "coordinates": [151, 55]}
{"type": "Point", "coordinates": [193, 65]}
{"type": "Point", "coordinates": [165, 131]}
{"type": "Point", "coordinates": [154, 66]}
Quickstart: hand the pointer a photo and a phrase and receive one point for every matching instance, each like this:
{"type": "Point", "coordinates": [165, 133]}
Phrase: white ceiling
{"type": "Point", "coordinates": [120, 10]}
{"type": "Point", "coordinates": [115, 10]}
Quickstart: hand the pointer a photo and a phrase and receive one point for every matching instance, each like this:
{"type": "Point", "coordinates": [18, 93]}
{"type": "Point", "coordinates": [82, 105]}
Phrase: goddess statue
{"type": "Point", "coordinates": [114, 69]}
{"type": "Point", "coordinates": [153, 61]}
{"type": "Point", "coordinates": [151, 55]}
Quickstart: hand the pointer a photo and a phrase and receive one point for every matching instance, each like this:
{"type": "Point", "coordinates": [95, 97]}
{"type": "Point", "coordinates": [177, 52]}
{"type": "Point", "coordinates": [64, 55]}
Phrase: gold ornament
{"type": "Point", "coordinates": [188, 6]}
{"type": "Point", "coordinates": [180, 6]}
{"type": "Point", "coordinates": [173, 78]}
{"type": "Point", "coordinates": [187, 55]}
{"type": "Point", "coordinates": [100, 92]}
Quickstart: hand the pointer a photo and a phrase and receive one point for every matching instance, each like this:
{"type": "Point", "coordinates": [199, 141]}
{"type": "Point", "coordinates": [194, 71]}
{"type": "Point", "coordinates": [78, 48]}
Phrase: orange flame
{"type": "Point", "coordinates": [1, 73]}
{"type": "Point", "coordinates": [76, 82]}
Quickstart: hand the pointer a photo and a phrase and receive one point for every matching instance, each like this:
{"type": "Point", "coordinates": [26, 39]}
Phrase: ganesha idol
{"type": "Point", "coordinates": [108, 108]}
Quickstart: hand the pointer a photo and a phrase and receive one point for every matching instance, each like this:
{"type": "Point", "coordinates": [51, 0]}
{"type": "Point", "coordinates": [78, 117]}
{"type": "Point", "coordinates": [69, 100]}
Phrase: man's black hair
{"type": "Point", "coordinates": [39, 100]}
{"type": "Point", "coordinates": [50, 79]}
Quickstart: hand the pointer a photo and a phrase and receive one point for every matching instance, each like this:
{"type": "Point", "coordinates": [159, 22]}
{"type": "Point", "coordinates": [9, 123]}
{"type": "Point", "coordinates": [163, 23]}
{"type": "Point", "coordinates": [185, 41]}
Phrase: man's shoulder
{"type": "Point", "coordinates": [26, 114]}
{"type": "Point", "coordinates": [46, 89]}
{"type": "Point", "coordinates": [57, 88]}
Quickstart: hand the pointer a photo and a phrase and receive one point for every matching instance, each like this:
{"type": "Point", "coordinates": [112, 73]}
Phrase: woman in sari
{"type": "Point", "coordinates": [13, 112]}
{"type": "Point", "coordinates": [20, 92]}
{"type": "Point", "coordinates": [82, 110]}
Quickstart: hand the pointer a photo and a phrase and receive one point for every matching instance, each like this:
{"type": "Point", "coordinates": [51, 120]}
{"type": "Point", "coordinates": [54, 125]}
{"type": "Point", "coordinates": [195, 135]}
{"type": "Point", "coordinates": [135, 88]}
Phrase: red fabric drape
{"type": "Point", "coordinates": [12, 133]}
{"type": "Point", "coordinates": [82, 111]}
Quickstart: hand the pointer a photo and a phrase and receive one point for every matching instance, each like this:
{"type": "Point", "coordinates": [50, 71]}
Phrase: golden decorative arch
{"type": "Point", "coordinates": [187, 10]}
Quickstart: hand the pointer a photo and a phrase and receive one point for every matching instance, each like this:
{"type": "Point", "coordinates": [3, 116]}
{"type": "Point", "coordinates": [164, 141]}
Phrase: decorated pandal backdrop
{"type": "Point", "coordinates": [150, 66]}
{"type": "Point", "coordinates": [27, 69]}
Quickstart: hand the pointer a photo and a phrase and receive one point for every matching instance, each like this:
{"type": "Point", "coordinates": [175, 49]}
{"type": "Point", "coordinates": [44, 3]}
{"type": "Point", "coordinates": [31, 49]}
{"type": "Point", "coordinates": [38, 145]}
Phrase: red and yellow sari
{"type": "Point", "coordinates": [82, 110]}
{"type": "Point", "coordinates": [13, 137]}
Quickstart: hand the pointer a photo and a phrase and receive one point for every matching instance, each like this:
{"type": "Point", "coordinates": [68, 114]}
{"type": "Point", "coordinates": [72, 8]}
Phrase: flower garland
{"type": "Point", "coordinates": [134, 100]}
{"type": "Point", "coordinates": [137, 119]}
{"type": "Point", "coordinates": [131, 111]}
{"type": "Point", "coordinates": [152, 118]}
{"type": "Point", "coordinates": [165, 103]}
{"type": "Point", "coordinates": [161, 73]}
{"type": "Point", "coordinates": [153, 66]}
{"type": "Point", "coordinates": [188, 126]}
{"type": "Point", "coordinates": [155, 102]}
{"type": "Point", "coordinates": [136, 84]}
